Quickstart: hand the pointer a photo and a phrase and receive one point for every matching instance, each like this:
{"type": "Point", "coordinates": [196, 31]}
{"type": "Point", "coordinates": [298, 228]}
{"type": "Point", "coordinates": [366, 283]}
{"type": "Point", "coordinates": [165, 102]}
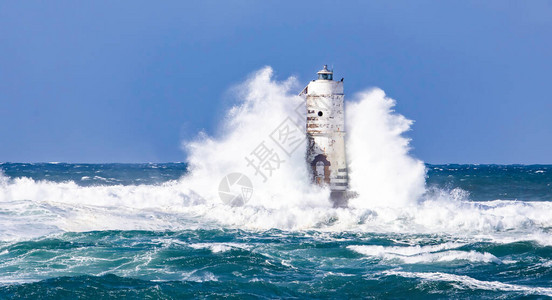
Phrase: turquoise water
{"type": "Point", "coordinates": [502, 249]}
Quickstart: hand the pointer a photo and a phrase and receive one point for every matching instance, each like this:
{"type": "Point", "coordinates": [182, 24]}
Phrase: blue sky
{"type": "Point", "coordinates": [127, 81]}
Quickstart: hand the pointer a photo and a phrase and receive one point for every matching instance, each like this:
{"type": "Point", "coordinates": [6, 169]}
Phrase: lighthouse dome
{"type": "Point", "coordinates": [325, 74]}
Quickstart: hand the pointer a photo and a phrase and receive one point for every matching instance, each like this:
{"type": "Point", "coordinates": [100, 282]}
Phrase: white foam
{"type": "Point", "coordinates": [466, 282]}
{"type": "Point", "coordinates": [220, 247]}
{"type": "Point", "coordinates": [12, 280]}
{"type": "Point", "coordinates": [424, 254]}
{"type": "Point", "coordinates": [381, 170]}
{"type": "Point", "coordinates": [389, 181]}
{"type": "Point", "coordinates": [198, 276]}
{"type": "Point", "coordinates": [404, 250]}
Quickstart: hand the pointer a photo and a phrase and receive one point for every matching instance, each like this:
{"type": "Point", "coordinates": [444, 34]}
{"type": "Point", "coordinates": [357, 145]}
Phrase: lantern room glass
{"type": "Point", "coordinates": [326, 76]}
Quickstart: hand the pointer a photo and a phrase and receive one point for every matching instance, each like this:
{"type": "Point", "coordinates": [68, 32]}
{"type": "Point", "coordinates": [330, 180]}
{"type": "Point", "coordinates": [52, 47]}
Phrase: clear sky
{"type": "Point", "coordinates": [127, 81]}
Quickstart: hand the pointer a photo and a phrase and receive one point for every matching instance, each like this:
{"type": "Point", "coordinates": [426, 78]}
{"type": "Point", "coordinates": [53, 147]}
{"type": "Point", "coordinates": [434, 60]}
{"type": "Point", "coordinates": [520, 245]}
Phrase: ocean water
{"type": "Point", "coordinates": [168, 231]}
{"type": "Point", "coordinates": [58, 249]}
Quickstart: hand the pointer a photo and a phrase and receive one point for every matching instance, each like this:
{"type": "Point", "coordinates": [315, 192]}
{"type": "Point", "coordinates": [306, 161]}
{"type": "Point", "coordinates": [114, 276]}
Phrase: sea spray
{"type": "Point", "coordinates": [91, 230]}
{"type": "Point", "coordinates": [381, 170]}
{"type": "Point", "coordinates": [390, 184]}
{"type": "Point", "coordinates": [264, 104]}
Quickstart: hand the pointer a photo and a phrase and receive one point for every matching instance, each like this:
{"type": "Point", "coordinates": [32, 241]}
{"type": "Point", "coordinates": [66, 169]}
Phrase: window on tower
{"type": "Point", "coordinates": [325, 76]}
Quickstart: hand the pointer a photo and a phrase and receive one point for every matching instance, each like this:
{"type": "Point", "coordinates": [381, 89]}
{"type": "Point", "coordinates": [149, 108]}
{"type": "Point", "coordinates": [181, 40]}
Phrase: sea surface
{"type": "Point", "coordinates": [84, 230]}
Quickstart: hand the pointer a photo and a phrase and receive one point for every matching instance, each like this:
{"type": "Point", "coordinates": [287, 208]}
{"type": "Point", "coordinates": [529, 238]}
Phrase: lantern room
{"type": "Point", "coordinates": [325, 74]}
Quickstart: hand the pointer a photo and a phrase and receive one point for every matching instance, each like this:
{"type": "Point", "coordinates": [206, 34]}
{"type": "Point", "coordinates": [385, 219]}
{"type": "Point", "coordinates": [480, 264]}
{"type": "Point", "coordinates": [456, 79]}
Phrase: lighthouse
{"type": "Point", "coordinates": [326, 158]}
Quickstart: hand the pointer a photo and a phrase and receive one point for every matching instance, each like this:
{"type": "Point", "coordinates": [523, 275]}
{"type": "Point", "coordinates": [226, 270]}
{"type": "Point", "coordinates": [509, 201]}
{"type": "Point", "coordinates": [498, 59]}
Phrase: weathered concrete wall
{"type": "Point", "coordinates": [326, 133]}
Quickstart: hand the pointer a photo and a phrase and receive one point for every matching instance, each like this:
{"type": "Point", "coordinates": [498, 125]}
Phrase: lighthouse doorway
{"type": "Point", "coordinates": [319, 176]}
{"type": "Point", "coordinates": [321, 170]}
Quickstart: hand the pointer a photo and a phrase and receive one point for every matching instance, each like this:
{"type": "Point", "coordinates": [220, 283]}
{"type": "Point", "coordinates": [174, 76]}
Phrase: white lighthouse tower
{"type": "Point", "coordinates": [326, 134]}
